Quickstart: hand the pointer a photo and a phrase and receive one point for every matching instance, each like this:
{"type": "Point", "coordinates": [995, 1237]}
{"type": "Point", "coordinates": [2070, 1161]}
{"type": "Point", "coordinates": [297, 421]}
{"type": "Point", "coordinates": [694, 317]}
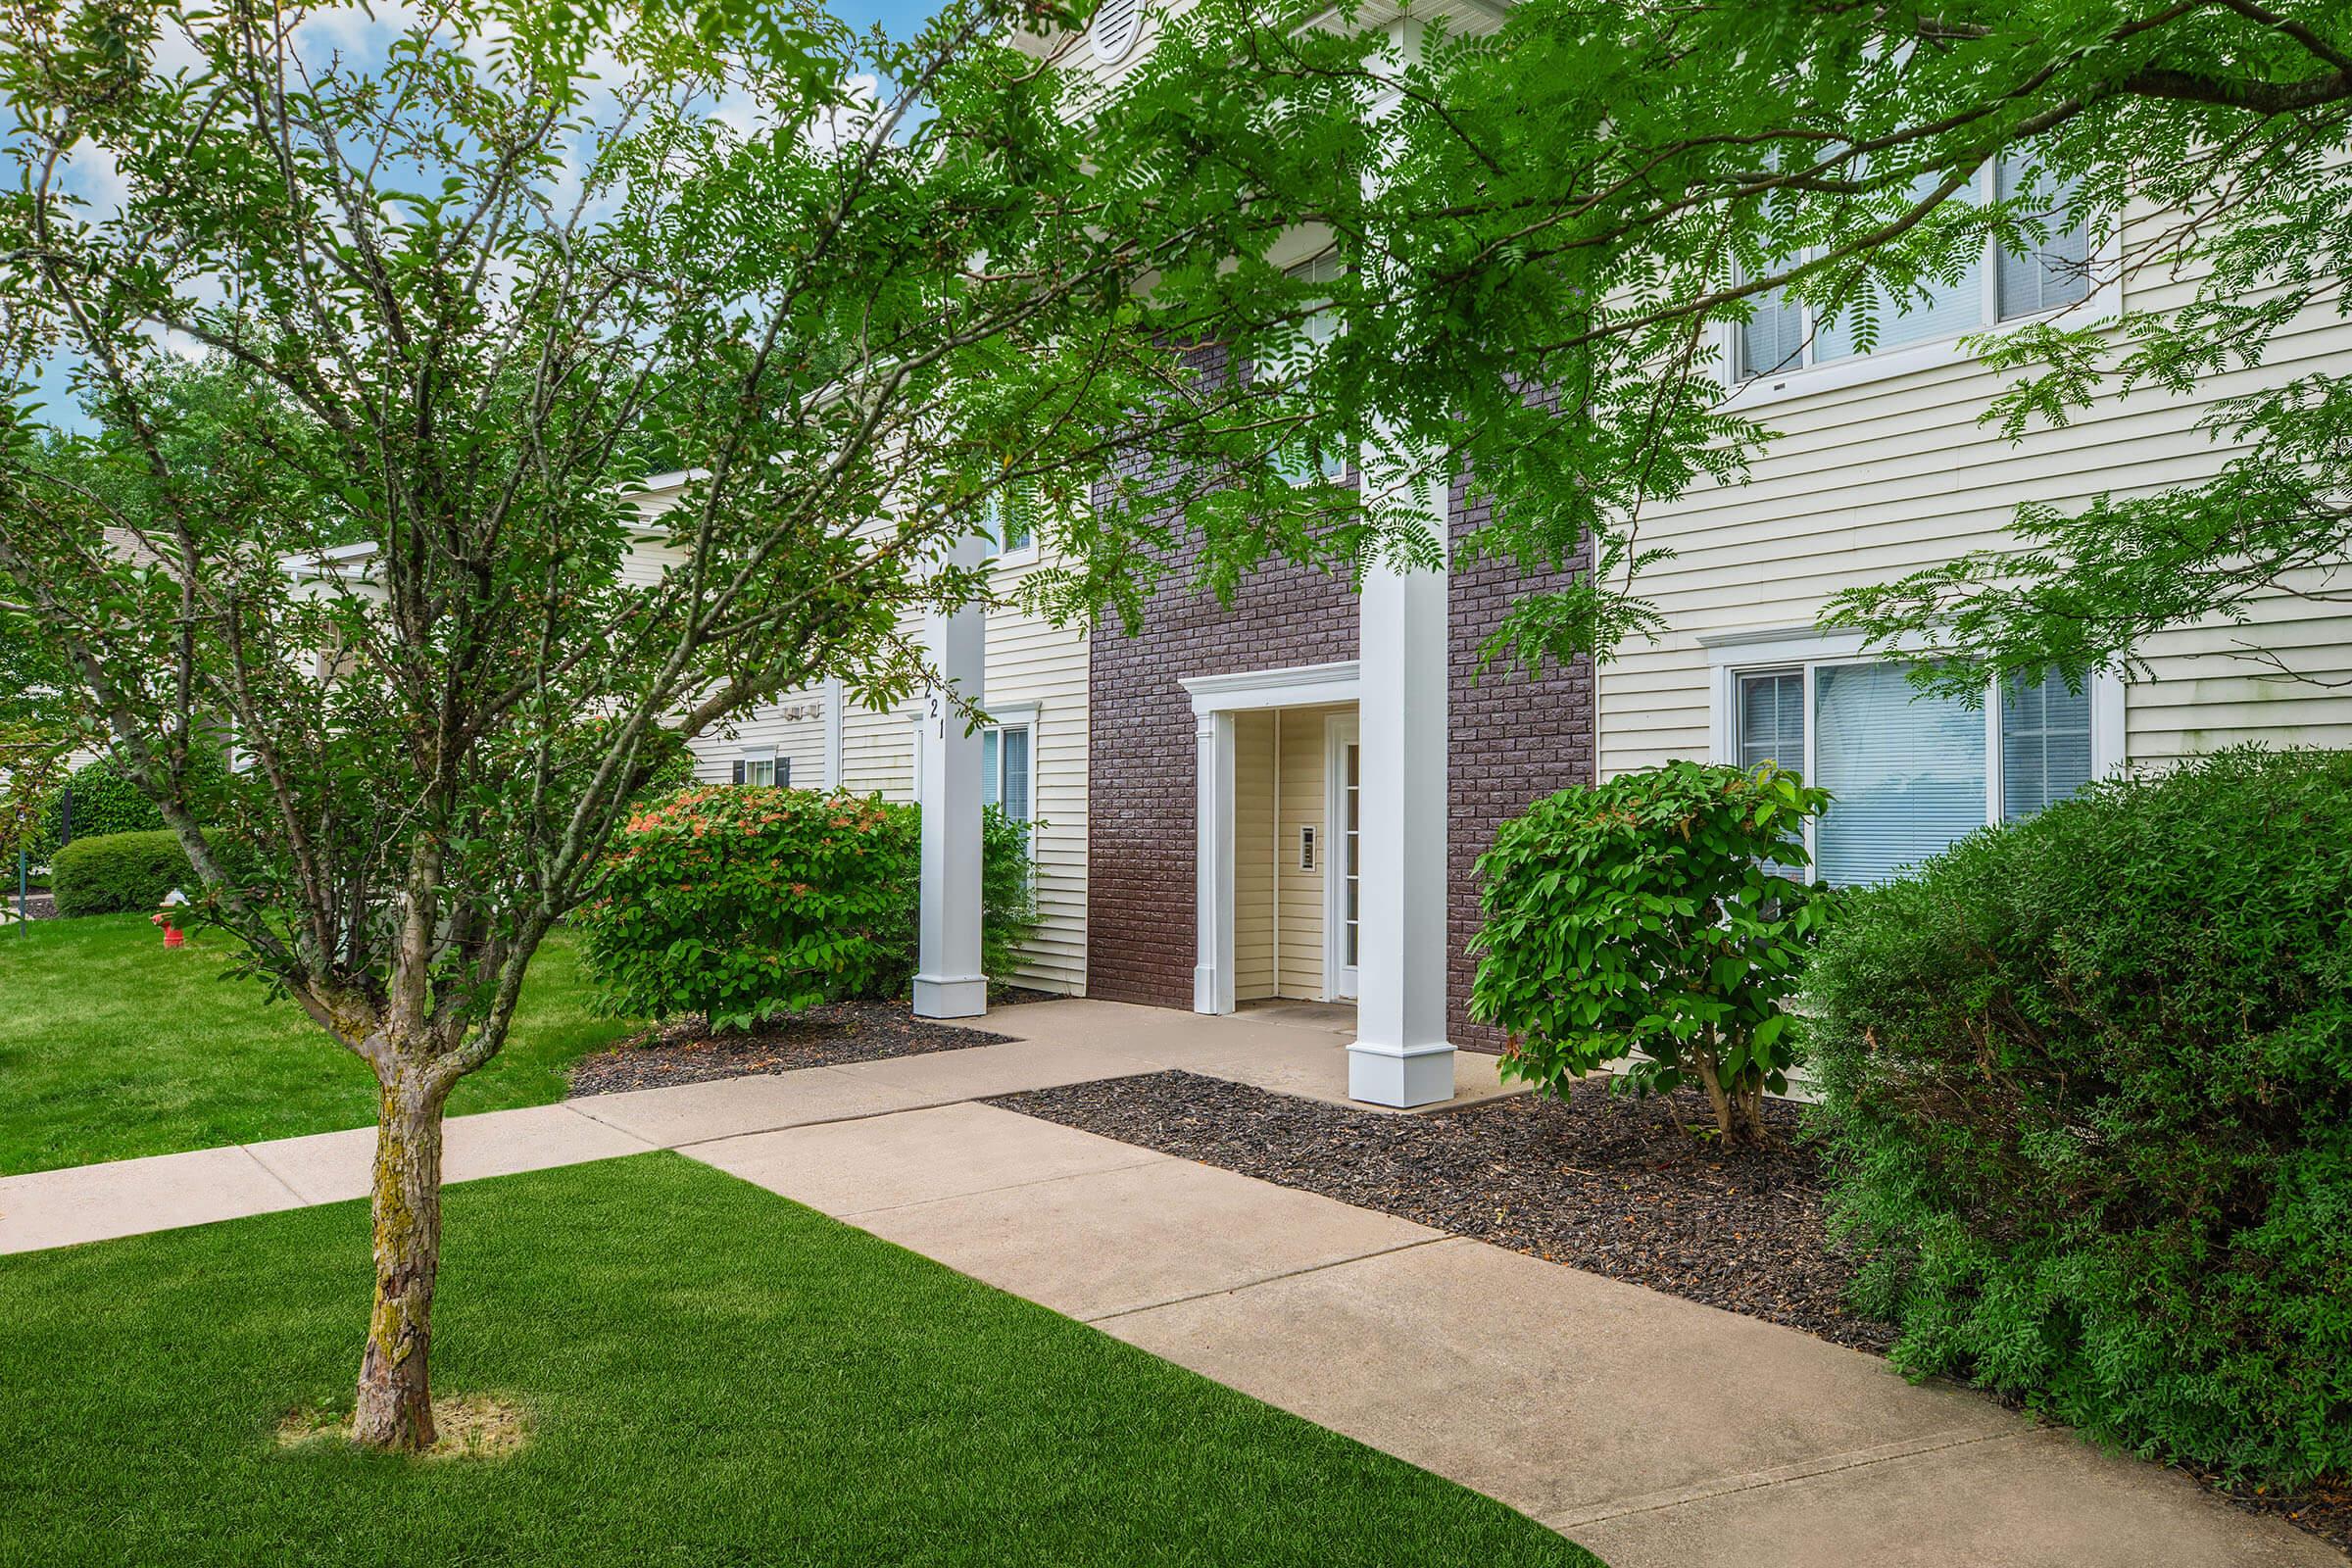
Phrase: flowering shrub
{"type": "Point", "coordinates": [1648, 915]}
{"type": "Point", "coordinates": [745, 905]}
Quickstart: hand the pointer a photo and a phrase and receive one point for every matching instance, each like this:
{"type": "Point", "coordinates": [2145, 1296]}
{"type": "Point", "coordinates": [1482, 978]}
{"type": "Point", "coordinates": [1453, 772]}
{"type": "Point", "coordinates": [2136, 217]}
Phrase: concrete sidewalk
{"type": "Point", "coordinates": [1655, 1431]}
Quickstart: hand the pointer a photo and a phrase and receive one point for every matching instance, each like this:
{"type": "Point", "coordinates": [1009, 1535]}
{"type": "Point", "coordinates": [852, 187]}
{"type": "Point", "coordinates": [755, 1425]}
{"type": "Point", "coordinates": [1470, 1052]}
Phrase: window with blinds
{"type": "Point", "coordinates": [1909, 773]}
{"type": "Point", "coordinates": [1783, 334]}
{"type": "Point", "coordinates": [1005, 775]}
{"type": "Point", "coordinates": [1772, 720]}
{"type": "Point", "coordinates": [1905, 772]}
{"type": "Point", "coordinates": [2045, 746]}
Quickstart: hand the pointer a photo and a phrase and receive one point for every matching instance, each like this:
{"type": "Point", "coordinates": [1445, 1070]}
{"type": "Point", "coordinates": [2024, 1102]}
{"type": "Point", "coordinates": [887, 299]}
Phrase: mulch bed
{"type": "Point", "coordinates": [685, 1051]}
{"type": "Point", "coordinates": [37, 906]}
{"type": "Point", "coordinates": [1596, 1181]}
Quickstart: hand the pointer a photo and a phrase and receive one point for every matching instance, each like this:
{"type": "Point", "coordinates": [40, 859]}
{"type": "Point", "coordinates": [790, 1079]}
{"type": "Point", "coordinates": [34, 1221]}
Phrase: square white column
{"type": "Point", "coordinates": [1212, 859]}
{"type": "Point", "coordinates": [948, 981]}
{"type": "Point", "coordinates": [1401, 1055]}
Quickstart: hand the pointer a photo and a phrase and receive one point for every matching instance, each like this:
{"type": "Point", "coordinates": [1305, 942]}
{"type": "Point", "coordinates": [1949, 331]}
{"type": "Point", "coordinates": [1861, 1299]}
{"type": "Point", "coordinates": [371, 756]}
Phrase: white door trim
{"type": "Point", "coordinates": [1340, 731]}
{"type": "Point", "coordinates": [1215, 700]}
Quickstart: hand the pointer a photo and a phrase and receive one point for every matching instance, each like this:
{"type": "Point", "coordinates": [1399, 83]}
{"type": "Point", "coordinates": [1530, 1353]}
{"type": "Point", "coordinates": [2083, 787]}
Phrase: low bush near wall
{"type": "Point", "coordinates": [2090, 1085]}
{"type": "Point", "coordinates": [113, 872]}
{"type": "Point", "coordinates": [1646, 915]}
{"type": "Point", "coordinates": [745, 905]}
{"type": "Point", "coordinates": [101, 801]}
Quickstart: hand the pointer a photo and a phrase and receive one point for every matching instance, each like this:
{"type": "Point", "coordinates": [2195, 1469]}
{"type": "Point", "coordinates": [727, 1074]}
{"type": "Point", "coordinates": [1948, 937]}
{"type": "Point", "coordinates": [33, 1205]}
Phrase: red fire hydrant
{"type": "Point", "coordinates": [173, 936]}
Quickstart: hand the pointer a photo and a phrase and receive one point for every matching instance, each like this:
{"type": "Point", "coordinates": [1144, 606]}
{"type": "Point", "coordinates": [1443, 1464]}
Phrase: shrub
{"type": "Point", "coordinates": [105, 801]}
{"type": "Point", "coordinates": [1651, 914]}
{"type": "Point", "coordinates": [114, 871]}
{"type": "Point", "coordinates": [745, 905]}
{"type": "Point", "coordinates": [2089, 1086]}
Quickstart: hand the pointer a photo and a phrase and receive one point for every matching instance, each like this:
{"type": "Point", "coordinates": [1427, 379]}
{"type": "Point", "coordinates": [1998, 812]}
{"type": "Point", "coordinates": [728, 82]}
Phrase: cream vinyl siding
{"type": "Point", "coordinates": [1306, 734]}
{"type": "Point", "coordinates": [1874, 479]}
{"type": "Point", "coordinates": [1030, 661]}
{"type": "Point", "coordinates": [800, 739]}
{"type": "Point", "coordinates": [1255, 848]}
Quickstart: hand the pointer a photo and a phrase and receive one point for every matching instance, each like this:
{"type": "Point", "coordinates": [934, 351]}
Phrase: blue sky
{"type": "Point", "coordinates": [349, 28]}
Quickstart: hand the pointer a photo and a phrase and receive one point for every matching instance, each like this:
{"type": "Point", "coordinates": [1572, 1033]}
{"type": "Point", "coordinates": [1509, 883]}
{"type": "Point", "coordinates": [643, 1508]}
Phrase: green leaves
{"type": "Point", "coordinates": [1635, 922]}
{"type": "Point", "coordinates": [745, 905]}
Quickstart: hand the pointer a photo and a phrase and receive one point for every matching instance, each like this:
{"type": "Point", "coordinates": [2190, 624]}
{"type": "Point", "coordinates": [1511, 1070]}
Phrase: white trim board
{"type": "Point", "coordinates": [1298, 686]}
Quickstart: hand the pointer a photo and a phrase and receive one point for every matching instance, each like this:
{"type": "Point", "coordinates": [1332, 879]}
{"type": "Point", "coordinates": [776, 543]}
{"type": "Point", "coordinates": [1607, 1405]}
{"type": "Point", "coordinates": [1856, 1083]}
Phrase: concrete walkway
{"type": "Point", "coordinates": [1655, 1431]}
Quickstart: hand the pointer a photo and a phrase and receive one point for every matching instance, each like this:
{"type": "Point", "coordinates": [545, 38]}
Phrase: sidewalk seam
{"type": "Point", "coordinates": [1269, 1279]}
{"type": "Point", "coordinates": [250, 1152]}
{"type": "Point", "coordinates": [1787, 1475]}
{"type": "Point", "coordinates": [852, 1217]}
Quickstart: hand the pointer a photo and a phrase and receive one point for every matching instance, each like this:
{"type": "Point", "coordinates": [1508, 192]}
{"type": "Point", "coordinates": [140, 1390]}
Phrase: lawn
{"type": "Point", "coordinates": [711, 1374]}
{"type": "Point", "coordinates": [112, 1046]}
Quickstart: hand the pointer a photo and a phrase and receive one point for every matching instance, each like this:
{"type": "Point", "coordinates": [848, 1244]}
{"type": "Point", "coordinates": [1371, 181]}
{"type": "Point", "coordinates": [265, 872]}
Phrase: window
{"type": "Point", "coordinates": [1012, 527]}
{"type": "Point", "coordinates": [1910, 773]}
{"type": "Point", "coordinates": [1004, 771]}
{"type": "Point", "coordinates": [761, 765]}
{"type": "Point", "coordinates": [1784, 334]}
{"type": "Point", "coordinates": [1316, 336]}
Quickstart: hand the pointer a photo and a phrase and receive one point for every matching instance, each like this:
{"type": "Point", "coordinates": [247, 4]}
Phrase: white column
{"type": "Point", "coordinates": [835, 722]}
{"type": "Point", "coordinates": [948, 982]}
{"type": "Point", "coordinates": [1212, 859]}
{"type": "Point", "coordinates": [1401, 1055]}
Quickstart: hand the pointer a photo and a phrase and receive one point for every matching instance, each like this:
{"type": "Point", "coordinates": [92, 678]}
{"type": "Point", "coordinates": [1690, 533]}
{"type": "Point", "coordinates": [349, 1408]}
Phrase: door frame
{"type": "Point", "coordinates": [1340, 981]}
{"type": "Point", "coordinates": [1216, 699]}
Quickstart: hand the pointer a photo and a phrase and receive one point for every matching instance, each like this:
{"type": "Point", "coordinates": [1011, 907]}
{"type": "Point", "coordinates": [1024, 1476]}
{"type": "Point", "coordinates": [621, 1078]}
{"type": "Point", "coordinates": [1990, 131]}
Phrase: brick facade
{"type": "Point", "coordinates": [1142, 759]}
{"type": "Point", "coordinates": [1512, 740]}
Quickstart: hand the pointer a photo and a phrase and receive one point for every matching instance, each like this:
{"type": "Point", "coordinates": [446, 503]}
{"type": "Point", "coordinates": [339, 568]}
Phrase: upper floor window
{"type": "Point", "coordinates": [1315, 334]}
{"type": "Point", "coordinates": [1012, 528]}
{"type": "Point", "coordinates": [1785, 334]}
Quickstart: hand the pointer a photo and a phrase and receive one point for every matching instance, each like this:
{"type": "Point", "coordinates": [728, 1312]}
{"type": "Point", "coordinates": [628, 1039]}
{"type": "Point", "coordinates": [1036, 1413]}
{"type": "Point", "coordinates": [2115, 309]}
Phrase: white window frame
{"type": "Point", "coordinates": [1026, 555]}
{"type": "Point", "coordinates": [1020, 716]}
{"type": "Point", "coordinates": [2103, 305]}
{"type": "Point", "coordinates": [777, 765]}
{"type": "Point", "coordinates": [1806, 651]}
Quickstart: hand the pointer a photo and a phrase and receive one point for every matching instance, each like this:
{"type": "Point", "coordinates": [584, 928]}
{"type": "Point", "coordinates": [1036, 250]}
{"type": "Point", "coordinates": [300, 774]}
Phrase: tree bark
{"type": "Point", "coordinates": [1738, 1106]}
{"type": "Point", "coordinates": [395, 1408]}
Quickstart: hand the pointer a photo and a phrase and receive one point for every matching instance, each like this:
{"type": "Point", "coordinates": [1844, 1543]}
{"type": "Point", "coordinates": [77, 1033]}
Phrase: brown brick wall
{"type": "Point", "coordinates": [1141, 769]}
{"type": "Point", "coordinates": [1512, 741]}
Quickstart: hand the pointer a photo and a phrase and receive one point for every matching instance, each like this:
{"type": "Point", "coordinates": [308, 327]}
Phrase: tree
{"type": "Point", "coordinates": [454, 291]}
{"type": "Point", "coordinates": [1545, 228]}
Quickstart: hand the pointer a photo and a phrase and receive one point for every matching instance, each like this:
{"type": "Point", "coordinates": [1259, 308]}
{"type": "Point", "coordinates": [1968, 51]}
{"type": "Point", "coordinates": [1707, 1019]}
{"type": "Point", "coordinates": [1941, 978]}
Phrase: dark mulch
{"type": "Point", "coordinates": [1596, 1181]}
{"type": "Point", "coordinates": [37, 906]}
{"type": "Point", "coordinates": [686, 1053]}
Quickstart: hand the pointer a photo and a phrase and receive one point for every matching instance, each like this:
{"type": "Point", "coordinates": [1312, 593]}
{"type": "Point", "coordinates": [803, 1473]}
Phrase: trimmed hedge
{"type": "Point", "coordinates": [106, 802]}
{"type": "Point", "coordinates": [115, 871]}
{"type": "Point", "coordinates": [748, 903]}
{"type": "Point", "coordinates": [2089, 1083]}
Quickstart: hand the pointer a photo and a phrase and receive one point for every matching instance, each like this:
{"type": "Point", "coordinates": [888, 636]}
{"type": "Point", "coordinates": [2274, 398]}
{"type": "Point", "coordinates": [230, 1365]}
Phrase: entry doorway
{"type": "Point", "coordinates": [1296, 865]}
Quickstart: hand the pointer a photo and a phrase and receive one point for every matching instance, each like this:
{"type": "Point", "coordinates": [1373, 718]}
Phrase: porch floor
{"type": "Point", "coordinates": [1291, 1046]}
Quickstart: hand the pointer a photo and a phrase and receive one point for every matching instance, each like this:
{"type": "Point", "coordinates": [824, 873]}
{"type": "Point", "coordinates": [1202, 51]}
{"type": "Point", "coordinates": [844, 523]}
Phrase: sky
{"type": "Point", "coordinates": [363, 32]}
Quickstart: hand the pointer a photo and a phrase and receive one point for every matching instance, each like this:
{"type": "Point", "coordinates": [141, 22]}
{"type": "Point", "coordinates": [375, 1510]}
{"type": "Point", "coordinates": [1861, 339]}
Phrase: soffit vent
{"type": "Point", "coordinates": [1117, 22]}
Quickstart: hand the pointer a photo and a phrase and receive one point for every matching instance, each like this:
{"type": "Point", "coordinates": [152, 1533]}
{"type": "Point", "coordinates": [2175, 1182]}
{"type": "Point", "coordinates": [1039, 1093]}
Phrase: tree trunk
{"type": "Point", "coordinates": [1738, 1106]}
{"type": "Point", "coordinates": [396, 1398]}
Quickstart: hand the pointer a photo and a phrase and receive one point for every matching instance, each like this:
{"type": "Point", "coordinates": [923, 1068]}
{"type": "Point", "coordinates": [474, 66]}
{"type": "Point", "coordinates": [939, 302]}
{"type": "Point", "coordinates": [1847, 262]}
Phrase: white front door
{"type": "Point", "coordinates": [1343, 864]}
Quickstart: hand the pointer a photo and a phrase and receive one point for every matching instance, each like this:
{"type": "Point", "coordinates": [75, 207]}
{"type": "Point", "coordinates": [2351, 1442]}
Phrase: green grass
{"type": "Point", "coordinates": [713, 1376]}
{"type": "Point", "coordinates": [111, 1047]}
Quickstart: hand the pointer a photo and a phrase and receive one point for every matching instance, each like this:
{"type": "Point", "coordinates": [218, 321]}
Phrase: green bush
{"type": "Point", "coordinates": [106, 802]}
{"type": "Point", "coordinates": [2089, 1086]}
{"type": "Point", "coordinates": [745, 905]}
{"type": "Point", "coordinates": [1651, 914]}
{"type": "Point", "coordinates": [113, 872]}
